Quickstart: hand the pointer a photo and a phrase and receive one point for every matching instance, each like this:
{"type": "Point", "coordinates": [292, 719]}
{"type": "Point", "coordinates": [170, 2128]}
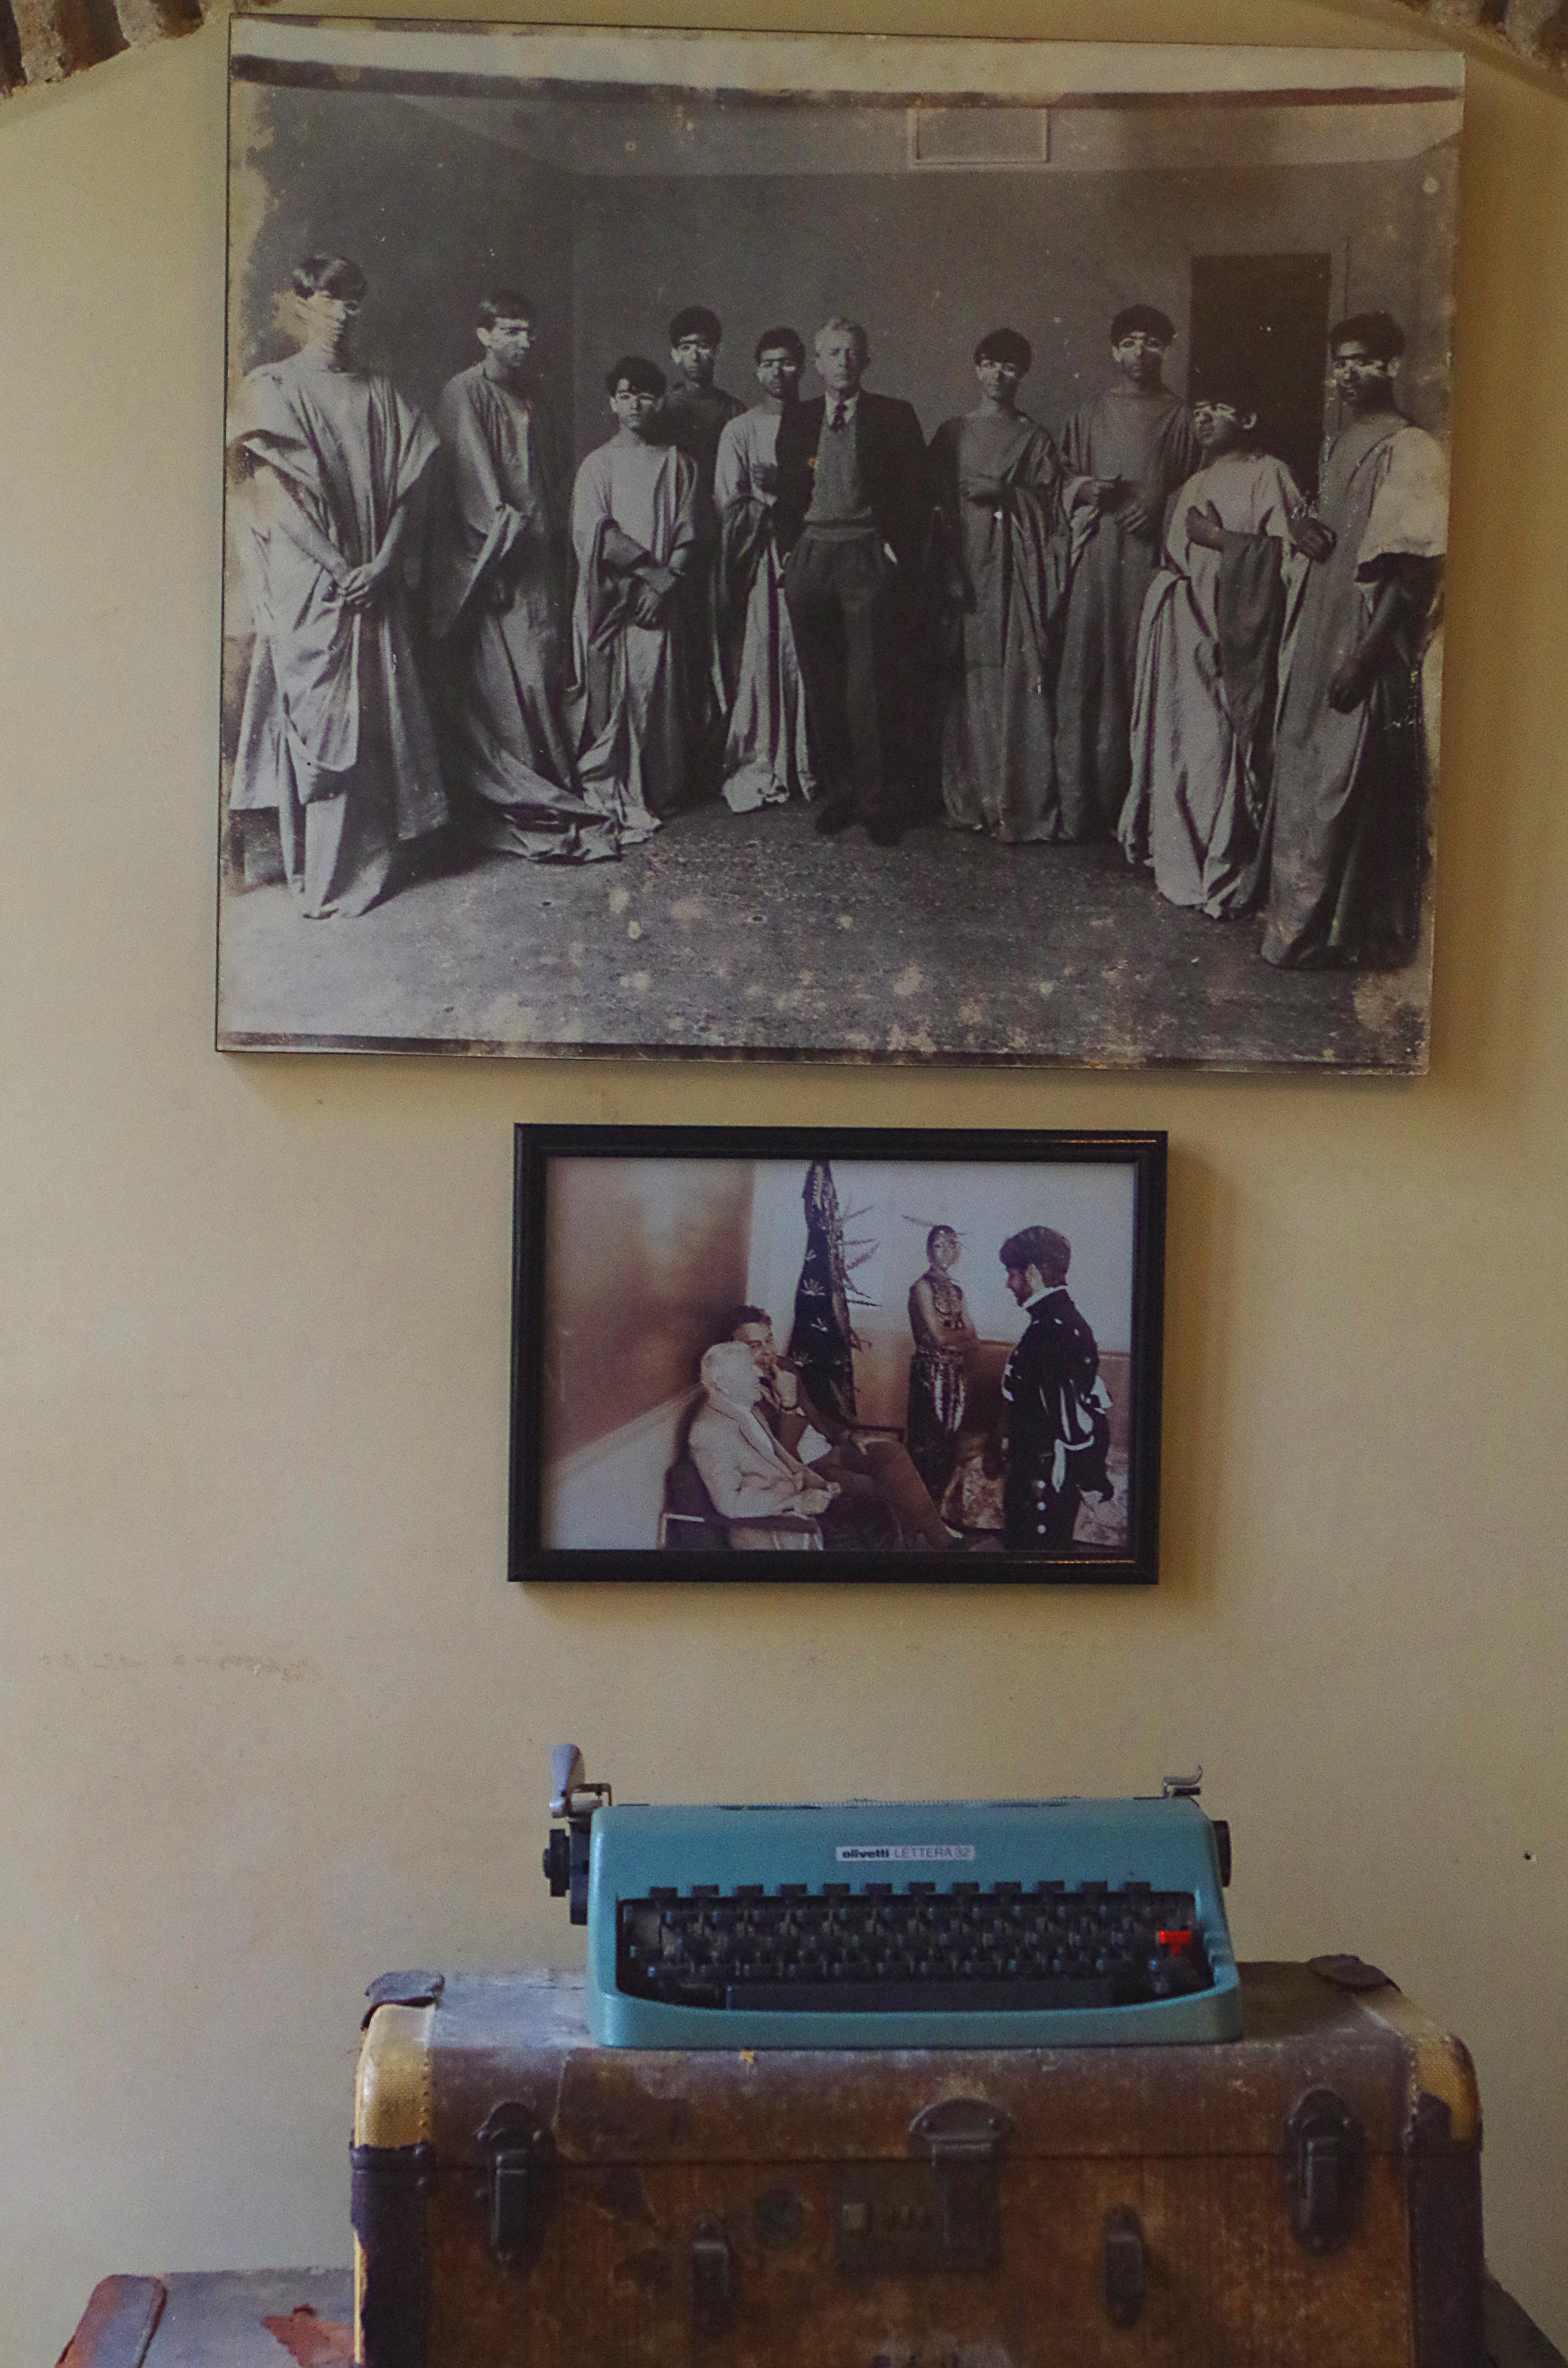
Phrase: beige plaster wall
{"type": "Point", "coordinates": [272, 1721]}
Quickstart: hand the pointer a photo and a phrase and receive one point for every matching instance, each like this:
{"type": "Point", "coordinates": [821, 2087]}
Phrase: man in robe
{"type": "Point", "coordinates": [693, 416]}
{"type": "Point", "coordinates": [1135, 446]}
{"type": "Point", "coordinates": [766, 753]}
{"type": "Point", "coordinates": [997, 483]}
{"type": "Point", "coordinates": [695, 412]}
{"type": "Point", "coordinates": [496, 602]}
{"type": "Point", "coordinates": [1350, 825]}
{"type": "Point", "coordinates": [1206, 688]}
{"type": "Point", "coordinates": [634, 529]}
{"type": "Point", "coordinates": [852, 515]}
{"type": "Point", "coordinates": [335, 737]}
{"type": "Point", "coordinates": [1056, 1410]}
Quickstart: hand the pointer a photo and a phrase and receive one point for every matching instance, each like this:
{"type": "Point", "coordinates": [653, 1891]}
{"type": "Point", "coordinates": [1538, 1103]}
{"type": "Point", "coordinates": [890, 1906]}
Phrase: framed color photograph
{"type": "Point", "coordinates": [849, 548]}
{"type": "Point", "coordinates": [748, 1353]}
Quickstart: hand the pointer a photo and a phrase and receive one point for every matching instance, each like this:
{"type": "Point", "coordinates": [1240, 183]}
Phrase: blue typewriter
{"type": "Point", "coordinates": [899, 1923]}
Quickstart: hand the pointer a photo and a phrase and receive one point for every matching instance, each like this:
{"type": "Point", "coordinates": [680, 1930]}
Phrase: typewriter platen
{"type": "Point", "coordinates": [897, 1924]}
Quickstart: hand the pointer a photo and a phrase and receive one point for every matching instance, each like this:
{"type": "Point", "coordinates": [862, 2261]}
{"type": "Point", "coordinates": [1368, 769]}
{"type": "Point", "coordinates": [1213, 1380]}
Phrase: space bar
{"type": "Point", "coordinates": [918, 1997]}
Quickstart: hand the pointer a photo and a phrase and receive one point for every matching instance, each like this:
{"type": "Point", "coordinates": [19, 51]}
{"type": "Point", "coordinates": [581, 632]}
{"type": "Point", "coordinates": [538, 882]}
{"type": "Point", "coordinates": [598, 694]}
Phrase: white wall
{"type": "Point", "coordinates": [609, 1493]}
{"type": "Point", "coordinates": [270, 1718]}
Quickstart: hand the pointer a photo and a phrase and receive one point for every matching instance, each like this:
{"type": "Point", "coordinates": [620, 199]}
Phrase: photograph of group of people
{"type": "Point", "coordinates": [840, 1355]}
{"type": "Point", "coordinates": [1179, 613]}
{"type": "Point", "coordinates": [773, 1460]}
{"type": "Point", "coordinates": [1145, 629]}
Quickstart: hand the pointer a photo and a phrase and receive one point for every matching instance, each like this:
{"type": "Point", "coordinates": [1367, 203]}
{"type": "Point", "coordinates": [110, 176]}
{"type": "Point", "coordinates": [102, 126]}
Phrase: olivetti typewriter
{"type": "Point", "coordinates": [897, 1924]}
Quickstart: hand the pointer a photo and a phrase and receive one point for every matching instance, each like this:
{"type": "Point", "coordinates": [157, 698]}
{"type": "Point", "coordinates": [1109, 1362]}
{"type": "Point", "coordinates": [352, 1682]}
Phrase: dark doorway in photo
{"type": "Point", "coordinates": [1268, 315]}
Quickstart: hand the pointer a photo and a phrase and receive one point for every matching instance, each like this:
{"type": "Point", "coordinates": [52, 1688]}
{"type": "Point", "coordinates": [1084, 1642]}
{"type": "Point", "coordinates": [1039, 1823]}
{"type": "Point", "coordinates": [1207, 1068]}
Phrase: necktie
{"type": "Point", "coordinates": [840, 413]}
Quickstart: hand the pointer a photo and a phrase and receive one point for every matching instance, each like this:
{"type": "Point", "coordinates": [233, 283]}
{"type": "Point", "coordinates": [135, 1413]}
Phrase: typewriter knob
{"type": "Point", "coordinates": [558, 1864]}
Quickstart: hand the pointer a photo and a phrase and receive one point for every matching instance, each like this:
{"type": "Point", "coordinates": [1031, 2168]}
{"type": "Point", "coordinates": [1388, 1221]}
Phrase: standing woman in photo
{"type": "Point", "coordinates": [944, 1335]}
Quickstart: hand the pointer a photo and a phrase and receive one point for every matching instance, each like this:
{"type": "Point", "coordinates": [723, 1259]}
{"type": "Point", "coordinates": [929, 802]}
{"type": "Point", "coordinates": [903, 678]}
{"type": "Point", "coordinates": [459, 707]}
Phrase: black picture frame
{"type": "Point", "coordinates": [614, 1249]}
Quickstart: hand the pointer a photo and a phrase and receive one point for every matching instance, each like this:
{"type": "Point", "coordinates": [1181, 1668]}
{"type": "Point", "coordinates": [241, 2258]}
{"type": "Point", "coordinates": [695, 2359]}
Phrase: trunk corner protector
{"type": "Point", "coordinates": [392, 2090]}
{"type": "Point", "coordinates": [1440, 2068]}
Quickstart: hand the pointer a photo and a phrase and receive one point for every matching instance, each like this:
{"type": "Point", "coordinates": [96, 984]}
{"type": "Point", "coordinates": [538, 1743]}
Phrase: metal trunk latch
{"type": "Point", "coordinates": [712, 2279]}
{"type": "Point", "coordinates": [1322, 2163]}
{"type": "Point", "coordinates": [901, 2219]}
{"type": "Point", "coordinates": [964, 2137]}
{"type": "Point", "coordinates": [1126, 2266]}
{"type": "Point", "coordinates": [517, 2158]}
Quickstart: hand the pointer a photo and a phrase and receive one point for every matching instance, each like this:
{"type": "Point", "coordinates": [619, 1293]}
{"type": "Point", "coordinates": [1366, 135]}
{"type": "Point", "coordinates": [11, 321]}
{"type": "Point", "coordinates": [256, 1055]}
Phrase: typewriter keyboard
{"type": "Point", "coordinates": [874, 1950]}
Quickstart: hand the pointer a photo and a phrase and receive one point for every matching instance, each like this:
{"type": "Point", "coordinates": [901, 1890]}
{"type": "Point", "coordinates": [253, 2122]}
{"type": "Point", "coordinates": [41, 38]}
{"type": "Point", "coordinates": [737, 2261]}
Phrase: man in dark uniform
{"type": "Point", "coordinates": [850, 519]}
{"type": "Point", "coordinates": [1055, 1406]}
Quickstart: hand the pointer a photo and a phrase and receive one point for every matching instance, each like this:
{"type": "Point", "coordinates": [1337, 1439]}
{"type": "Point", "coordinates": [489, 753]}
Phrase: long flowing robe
{"type": "Point", "coordinates": [631, 683]}
{"type": "Point", "coordinates": [497, 608]}
{"type": "Point", "coordinates": [1145, 437]}
{"type": "Point", "coordinates": [694, 418]}
{"type": "Point", "coordinates": [1208, 686]}
{"type": "Point", "coordinates": [1002, 579]}
{"type": "Point", "coordinates": [1349, 826]}
{"type": "Point", "coordinates": [334, 736]}
{"type": "Point", "coordinates": [767, 757]}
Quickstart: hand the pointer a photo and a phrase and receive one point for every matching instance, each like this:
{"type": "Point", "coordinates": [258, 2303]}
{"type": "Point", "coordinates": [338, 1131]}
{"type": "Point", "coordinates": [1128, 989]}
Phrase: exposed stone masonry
{"type": "Point", "coordinates": [44, 40]}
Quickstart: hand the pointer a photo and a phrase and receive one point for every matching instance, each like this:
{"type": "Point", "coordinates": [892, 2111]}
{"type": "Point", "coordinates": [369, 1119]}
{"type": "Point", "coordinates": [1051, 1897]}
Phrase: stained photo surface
{"type": "Point", "coordinates": [859, 550]}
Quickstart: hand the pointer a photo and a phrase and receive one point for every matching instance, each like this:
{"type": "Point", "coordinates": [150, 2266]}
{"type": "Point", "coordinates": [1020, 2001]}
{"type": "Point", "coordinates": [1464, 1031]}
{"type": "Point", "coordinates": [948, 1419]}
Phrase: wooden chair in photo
{"type": "Point", "coordinates": [688, 1521]}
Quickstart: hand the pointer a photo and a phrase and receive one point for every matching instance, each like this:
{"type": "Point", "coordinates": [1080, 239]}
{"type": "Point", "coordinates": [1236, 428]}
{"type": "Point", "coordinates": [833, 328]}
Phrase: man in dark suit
{"type": "Point", "coordinates": [1055, 1406]}
{"type": "Point", "coordinates": [850, 515]}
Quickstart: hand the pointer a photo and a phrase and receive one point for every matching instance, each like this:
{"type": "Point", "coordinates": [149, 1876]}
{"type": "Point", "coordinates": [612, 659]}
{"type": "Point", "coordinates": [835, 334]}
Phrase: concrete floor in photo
{"type": "Point", "coordinates": [750, 933]}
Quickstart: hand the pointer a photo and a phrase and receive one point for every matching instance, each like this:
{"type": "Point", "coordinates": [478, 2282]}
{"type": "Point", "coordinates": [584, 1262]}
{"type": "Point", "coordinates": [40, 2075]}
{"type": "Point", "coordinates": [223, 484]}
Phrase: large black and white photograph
{"type": "Point", "coordinates": [833, 547]}
{"type": "Point", "coordinates": [927, 1356]}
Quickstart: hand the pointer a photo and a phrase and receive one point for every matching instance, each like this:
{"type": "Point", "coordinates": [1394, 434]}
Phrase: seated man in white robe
{"type": "Point", "coordinates": [335, 737]}
{"type": "Point", "coordinates": [765, 1497]}
{"type": "Point", "coordinates": [767, 757]}
{"type": "Point", "coordinates": [634, 528]}
{"type": "Point", "coordinates": [497, 605]}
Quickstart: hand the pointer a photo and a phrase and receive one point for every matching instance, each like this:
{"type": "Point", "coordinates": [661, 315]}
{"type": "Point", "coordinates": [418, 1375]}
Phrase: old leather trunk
{"type": "Point", "coordinates": [1308, 2194]}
